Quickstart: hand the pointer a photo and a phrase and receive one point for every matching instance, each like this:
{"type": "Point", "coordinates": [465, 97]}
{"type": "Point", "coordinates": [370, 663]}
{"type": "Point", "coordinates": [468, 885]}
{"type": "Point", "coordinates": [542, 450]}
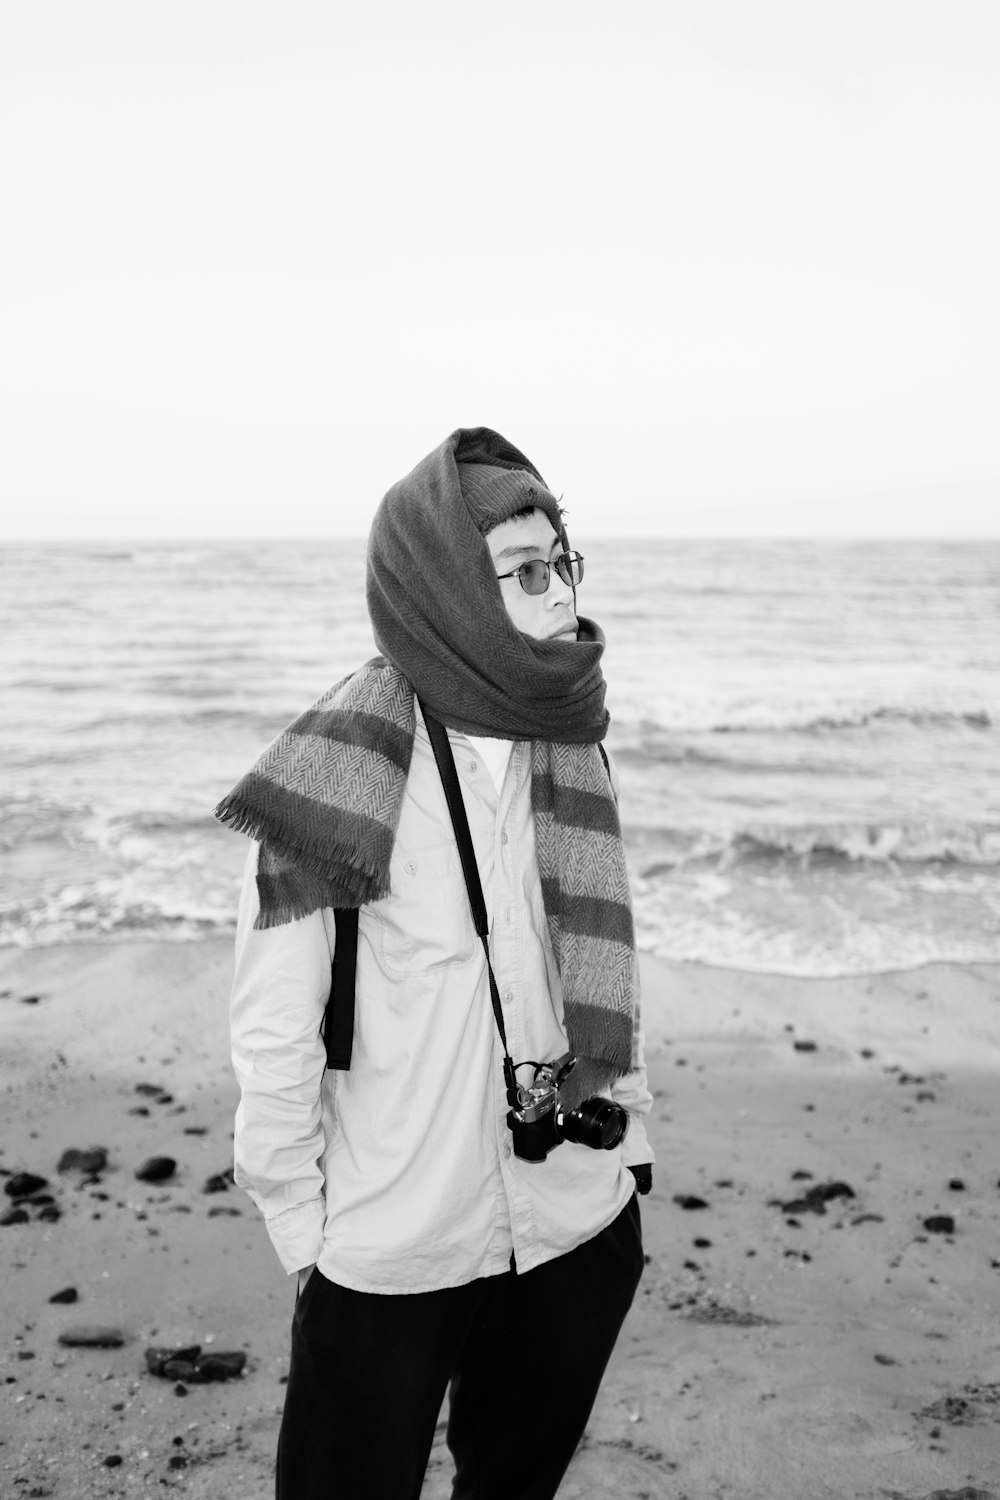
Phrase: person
{"type": "Point", "coordinates": [430, 1256]}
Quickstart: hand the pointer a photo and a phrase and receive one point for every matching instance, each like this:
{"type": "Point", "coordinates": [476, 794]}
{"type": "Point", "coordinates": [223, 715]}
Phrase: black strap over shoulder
{"type": "Point", "coordinates": [338, 1020]}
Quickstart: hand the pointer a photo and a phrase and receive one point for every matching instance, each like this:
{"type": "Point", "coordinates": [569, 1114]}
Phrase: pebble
{"type": "Point", "coordinates": [68, 1294]}
{"type": "Point", "coordinates": [689, 1201]}
{"type": "Point", "coordinates": [219, 1183]}
{"type": "Point", "coordinates": [113, 1460]}
{"type": "Point", "coordinates": [14, 1216]}
{"type": "Point", "coordinates": [92, 1336]}
{"type": "Point", "coordinates": [156, 1169]}
{"type": "Point", "coordinates": [191, 1365]}
{"type": "Point", "coordinates": [22, 1184]}
{"type": "Point", "coordinates": [805, 1046]}
{"type": "Point", "coordinates": [815, 1199]}
{"type": "Point", "coordinates": [90, 1160]}
{"type": "Point", "coordinates": [940, 1224]}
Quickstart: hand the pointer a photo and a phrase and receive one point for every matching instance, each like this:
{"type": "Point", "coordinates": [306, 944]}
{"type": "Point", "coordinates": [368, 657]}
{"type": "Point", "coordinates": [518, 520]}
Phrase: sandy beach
{"type": "Point", "coordinates": [819, 1315]}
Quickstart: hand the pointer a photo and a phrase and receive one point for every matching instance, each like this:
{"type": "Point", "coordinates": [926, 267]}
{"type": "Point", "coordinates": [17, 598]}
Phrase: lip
{"type": "Point", "coordinates": [566, 630]}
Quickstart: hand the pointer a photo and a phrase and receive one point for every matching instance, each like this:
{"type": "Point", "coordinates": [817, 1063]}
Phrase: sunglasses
{"type": "Point", "coordinates": [534, 576]}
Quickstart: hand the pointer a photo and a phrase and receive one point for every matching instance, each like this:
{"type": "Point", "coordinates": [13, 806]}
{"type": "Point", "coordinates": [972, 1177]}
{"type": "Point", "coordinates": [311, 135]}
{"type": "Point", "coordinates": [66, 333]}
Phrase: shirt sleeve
{"type": "Point", "coordinates": [280, 989]}
{"type": "Point", "coordinates": [631, 1091]}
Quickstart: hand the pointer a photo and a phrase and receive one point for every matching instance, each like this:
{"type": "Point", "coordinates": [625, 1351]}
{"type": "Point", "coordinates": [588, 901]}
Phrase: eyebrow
{"type": "Point", "coordinates": [506, 553]}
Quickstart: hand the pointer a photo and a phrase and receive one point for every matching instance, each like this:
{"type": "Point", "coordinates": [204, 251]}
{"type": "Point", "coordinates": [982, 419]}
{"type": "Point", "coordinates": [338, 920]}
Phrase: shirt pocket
{"type": "Point", "coordinates": [424, 926]}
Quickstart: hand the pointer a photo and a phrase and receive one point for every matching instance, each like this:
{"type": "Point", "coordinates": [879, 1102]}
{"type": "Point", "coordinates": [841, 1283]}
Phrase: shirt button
{"type": "Point", "coordinates": [506, 1152]}
{"type": "Point", "coordinates": [473, 765]}
{"type": "Point", "coordinates": [508, 995]}
{"type": "Point", "coordinates": [410, 867]}
{"type": "Point", "coordinates": [503, 837]}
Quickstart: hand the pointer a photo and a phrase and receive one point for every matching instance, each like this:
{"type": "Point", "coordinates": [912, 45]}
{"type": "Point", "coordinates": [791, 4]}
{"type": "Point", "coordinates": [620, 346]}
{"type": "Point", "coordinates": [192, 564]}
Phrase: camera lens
{"type": "Point", "coordinates": [598, 1123]}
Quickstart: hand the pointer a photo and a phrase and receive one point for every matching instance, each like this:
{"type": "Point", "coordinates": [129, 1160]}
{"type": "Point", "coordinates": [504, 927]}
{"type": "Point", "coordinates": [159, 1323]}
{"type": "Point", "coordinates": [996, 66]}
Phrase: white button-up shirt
{"type": "Point", "coordinates": [399, 1175]}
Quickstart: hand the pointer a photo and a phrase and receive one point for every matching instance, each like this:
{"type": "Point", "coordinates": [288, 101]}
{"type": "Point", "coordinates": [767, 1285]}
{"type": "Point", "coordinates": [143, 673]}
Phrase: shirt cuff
{"type": "Point", "coordinates": [636, 1150]}
{"type": "Point", "coordinates": [297, 1234]}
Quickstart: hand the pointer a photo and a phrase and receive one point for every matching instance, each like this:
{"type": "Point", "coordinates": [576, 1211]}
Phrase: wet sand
{"type": "Point", "coordinates": [803, 1334]}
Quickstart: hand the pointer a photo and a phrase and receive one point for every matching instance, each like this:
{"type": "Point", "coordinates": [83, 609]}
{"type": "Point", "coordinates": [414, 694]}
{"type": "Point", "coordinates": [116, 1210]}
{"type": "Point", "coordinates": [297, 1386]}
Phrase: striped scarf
{"type": "Point", "coordinates": [324, 802]}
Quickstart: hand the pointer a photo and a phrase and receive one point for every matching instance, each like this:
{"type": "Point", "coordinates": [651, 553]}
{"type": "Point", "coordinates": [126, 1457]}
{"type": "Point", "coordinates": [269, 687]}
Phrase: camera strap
{"type": "Point", "coordinates": [460, 823]}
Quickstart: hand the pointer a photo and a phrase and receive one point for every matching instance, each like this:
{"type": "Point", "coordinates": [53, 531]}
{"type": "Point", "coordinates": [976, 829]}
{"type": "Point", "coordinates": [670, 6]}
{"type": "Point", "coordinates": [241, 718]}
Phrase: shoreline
{"type": "Point", "coordinates": [770, 1355]}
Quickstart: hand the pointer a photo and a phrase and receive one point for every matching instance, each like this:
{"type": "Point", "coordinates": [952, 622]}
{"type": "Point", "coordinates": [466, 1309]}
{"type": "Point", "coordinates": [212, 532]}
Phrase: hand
{"type": "Point", "coordinates": [643, 1177]}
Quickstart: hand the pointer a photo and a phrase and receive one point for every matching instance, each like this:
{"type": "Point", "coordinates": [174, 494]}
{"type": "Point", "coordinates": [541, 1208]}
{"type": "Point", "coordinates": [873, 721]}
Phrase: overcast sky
{"type": "Point", "coordinates": [718, 266]}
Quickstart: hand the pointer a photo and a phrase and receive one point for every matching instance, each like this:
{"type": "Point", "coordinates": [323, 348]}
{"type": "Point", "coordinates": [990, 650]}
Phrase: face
{"type": "Point", "coordinates": [542, 616]}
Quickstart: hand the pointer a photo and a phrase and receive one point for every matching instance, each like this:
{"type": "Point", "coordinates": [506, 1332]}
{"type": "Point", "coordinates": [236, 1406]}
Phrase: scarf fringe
{"type": "Point", "coordinates": [353, 880]}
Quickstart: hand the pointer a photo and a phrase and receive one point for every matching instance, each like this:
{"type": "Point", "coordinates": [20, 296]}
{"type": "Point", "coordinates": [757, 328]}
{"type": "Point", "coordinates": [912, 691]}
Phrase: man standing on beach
{"type": "Point", "coordinates": [447, 1227]}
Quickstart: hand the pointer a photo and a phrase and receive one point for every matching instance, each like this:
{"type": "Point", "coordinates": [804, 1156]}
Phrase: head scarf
{"type": "Point", "coordinates": [439, 617]}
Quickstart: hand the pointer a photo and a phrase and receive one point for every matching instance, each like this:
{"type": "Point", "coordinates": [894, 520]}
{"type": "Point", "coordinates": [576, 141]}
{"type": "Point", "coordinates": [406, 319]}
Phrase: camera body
{"type": "Point", "coordinates": [539, 1123]}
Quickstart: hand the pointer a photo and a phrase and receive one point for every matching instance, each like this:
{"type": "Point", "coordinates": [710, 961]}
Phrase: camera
{"type": "Point", "coordinates": [538, 1122]}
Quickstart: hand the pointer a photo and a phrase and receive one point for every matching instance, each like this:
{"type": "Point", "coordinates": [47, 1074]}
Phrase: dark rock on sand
{"type": "Point", "coordinates": [68, 1294]}
{"type": "Point", "coordinates": [957, 1185]}
{"type": "Point", "coordinates": [150, 1090]}
{"type": "Point", "coordinates": [689, 1201]}
{"type": "Point", "coordinates": [15, 1216]}
{"type": "Point", "coordinates": [220, 1183]}
{"type": "Point", "coordinates": [805, 1046]}
{"type": "Point", "coordinates": [113, 1460]}
{"type": "Point", "coordinates": [92, 1336]}
{"type": "Point", "coordinates": [49, 1212]}
{"type": "Point", "coordinates": [814, 1201]}
{"type": "Point", "coordinates": [191, 1365]}
{"type": "Point", "coordinates": [23, 1184]}
{"type": "Point", "coordinates": [89, 1161]}
{"type": "Point", "coordinates": [940, 1224]}
{"type": "Point", "coordinates": [156, 1169]}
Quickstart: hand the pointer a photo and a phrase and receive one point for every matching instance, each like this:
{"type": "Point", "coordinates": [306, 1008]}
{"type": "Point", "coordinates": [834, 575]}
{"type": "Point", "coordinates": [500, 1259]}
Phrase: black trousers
{"type": "Point", "coordinates": [524, 1355]}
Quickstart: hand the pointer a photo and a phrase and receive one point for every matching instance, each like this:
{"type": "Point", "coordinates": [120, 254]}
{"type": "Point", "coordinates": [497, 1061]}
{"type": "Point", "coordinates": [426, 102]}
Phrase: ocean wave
{"type": "Point", "coordinates": [644, 738]}
{"type": "Point", "coordinates": [158, 838]}
{"type": "Point", "coordinates": [851, 843]}
{"type": "Point", "coordinates": [76, 914]}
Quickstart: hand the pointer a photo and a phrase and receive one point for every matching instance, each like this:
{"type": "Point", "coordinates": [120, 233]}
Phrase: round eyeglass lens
{"type": "Point", "coordinates": [569, 566]}
{"type": "Point", "coordinates": [534, 576]}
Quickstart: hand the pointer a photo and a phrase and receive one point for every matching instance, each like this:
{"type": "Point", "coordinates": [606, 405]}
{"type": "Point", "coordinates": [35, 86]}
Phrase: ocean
{"type": "Point", "coordinates": [808, 736]}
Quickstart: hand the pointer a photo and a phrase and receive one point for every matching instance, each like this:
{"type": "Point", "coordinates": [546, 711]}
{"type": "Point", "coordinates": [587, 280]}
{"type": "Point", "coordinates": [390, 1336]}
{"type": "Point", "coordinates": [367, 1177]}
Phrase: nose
{"type": "Point", "coordinates": [559, 592]}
